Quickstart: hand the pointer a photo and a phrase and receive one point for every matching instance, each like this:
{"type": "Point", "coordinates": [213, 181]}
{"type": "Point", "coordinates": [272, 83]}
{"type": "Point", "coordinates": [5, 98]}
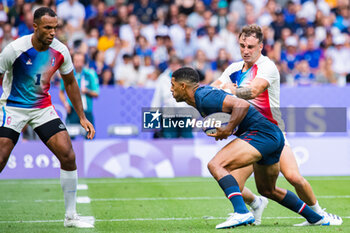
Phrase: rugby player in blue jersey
{"type": "Point", "coordinates": [259, 143]}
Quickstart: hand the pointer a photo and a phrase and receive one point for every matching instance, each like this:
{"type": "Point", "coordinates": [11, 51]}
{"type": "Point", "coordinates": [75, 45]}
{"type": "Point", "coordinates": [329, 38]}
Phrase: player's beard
{"type": "Point", "coordinates": [45, 41]}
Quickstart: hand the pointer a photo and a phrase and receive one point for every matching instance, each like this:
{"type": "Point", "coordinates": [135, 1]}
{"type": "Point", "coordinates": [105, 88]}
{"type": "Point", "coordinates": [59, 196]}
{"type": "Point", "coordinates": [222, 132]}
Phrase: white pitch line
{"type": "Point", "coordinates": [147, 180]}
{"type": "Point", "coordinates": [82, 187]}
{"type": "Point", "coordinates": [115, 181]}
{"type": "Point", "coordinates": [155, 199]}
{"type": "Point", "coordinates": [146, 219]}
{"type": "Point", "coordinates": [83, 200]}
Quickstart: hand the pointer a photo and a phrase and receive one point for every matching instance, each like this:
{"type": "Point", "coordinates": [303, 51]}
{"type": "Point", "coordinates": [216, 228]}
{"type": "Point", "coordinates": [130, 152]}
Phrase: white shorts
{"type": "Point", "coordinates": [286, 143]}
{"type": "Point", "coordinates": [16, 118]}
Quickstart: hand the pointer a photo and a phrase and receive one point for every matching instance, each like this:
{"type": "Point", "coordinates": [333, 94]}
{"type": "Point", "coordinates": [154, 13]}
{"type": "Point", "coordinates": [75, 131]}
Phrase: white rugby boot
{"type": "Point", "coordinates": [79, 221]}
{"type": "Point", "coordinates": [236, 220]}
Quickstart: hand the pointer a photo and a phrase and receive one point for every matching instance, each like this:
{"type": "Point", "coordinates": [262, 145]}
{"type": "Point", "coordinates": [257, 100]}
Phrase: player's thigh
{"type": "Point", "coordinates": [236, 154]}
{"type": "Point", "coordinates": [242, 174]}
{"type": "Point", "coordinates": [266, 176]}
{"type": "Point", "coordinates": [60, 144]}
{"type": "Point", "coordinates": [6, 146]}
{"type": "Point", "coordinates": [51, 131]}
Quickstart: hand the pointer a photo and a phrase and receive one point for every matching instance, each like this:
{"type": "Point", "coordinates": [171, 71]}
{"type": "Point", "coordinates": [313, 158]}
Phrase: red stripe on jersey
{"type": "Point", "coordinates": [262, 101]}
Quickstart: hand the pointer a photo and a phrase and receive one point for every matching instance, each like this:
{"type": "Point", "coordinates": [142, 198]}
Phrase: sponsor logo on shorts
{"type": "Point", "coordinates": [8, 121]}
{"type": "Point", "coordinates": [61, 126]}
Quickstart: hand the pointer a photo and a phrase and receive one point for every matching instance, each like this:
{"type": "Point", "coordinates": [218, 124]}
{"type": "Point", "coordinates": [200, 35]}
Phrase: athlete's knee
{"type": "Point", "coordinates": [67, 157]}
{"type": "Point", "coordinates": [212, 166]}
{"type": "Point", "coordinates": [295, 178]}
{"type": "Point", "coordinates": [215, 168]}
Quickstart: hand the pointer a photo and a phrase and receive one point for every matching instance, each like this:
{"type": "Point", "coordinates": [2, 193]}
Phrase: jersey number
{"type": "Point", "coordinates": [38, 77]}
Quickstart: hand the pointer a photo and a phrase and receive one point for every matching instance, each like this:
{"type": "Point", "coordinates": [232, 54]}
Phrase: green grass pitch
{"type": "Point", "coordinates": [189, 204]}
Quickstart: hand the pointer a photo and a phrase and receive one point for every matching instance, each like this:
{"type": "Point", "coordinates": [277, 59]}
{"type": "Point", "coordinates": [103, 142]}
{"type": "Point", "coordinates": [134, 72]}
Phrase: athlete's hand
{"type": "Point", "coordinates": [221, 133]}
{"type": "Point", "coordinates": [88, 127]}
{"type": "Point", "coordinates": [229, 86]}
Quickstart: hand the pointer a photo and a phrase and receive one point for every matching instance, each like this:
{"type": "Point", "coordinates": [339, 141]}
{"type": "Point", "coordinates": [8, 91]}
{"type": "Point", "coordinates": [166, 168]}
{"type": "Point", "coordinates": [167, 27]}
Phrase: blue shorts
{"type": "Point", "coordinates": [268, 139]}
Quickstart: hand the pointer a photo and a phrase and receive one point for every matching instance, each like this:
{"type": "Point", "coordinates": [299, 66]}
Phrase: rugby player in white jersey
{"type": "Point", "coordinates": [257, 80]}
{"type": "Point", "coordinates": [27, 65]}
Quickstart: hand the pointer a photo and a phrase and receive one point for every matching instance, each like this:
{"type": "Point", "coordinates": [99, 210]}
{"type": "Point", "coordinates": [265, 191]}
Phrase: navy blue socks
{"type": "Point", "coordinates": [230, 186]}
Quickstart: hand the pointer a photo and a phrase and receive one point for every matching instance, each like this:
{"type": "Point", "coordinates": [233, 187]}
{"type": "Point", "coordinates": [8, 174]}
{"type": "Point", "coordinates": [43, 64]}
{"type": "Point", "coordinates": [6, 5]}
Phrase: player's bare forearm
{"type": "Point", "coordinates": [244, 93]}
{"type": "Point", "coordinates": [238, 109]}
{"type": "Point", "coordinates": [256, 87]}
{"type": "Point", "coordinates": [73, 92]}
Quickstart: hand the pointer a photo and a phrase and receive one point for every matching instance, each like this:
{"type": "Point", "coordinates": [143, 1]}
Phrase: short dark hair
{"type": "Point", "coordinates": [186, 74]}
{"type": "Point", "coordinates": [40, 12]}
{"type": "Point", "coordinates": [252, 30]}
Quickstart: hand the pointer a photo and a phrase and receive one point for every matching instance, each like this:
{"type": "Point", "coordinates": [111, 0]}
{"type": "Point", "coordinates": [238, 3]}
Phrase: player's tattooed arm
{"type": "Point", "coordinates": [244, 93]}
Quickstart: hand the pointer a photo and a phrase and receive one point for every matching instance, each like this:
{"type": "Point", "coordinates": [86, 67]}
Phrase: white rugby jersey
{"type": "Point", "coordinates": [28, 72]}
{"type": "Point", "coordinates": [268, 102]}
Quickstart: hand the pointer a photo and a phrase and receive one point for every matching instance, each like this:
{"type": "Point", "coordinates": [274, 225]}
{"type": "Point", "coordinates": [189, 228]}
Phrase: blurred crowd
{"type": "Point", "coordinates": [130, 43]}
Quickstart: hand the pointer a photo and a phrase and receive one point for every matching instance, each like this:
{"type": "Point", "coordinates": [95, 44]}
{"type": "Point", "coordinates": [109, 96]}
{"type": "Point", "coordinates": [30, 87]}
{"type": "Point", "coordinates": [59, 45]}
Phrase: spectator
{"type": "Point", "coordinates": [98, 20]}
{"type": "Point", "coordinates": [155, 28]}
{"type": "Point", "coordinates": [98, 64]}
{"type": "Point", "coordinates": [172, 16]}
{"type": "Point", "coordinates": [91, 9]}
{"type": "Point", "coordinates": [142, 47]}
{"type": "Point", "coordinates": [290, 56]}
{"type": "Point", "coordinates": [202, 31]}
{"type": "Point", "coordinates": [212, 41]}
{"type": "Point", "coordinates": [129, 32]}
{"type": "Point", "coordinates": [160, 52]}
{"type": "Point", "coordinates": [313, 54]}
{"type": "Point", "coordinates": [73, 12]}
{"type": "Point", "coordinates": [122, 15]}
{"type": "Point", "coordinates": [89, 87]}
{"type": "Point", "coordinates": [129, 73]}
{"type": "Point", "coordinates": [114, 56]}
{"type": "Point", "coordinates": [26, 27]}
{"type": "Point", "coordinates": [221, 18]}
{"type": "Point", "coordinates": [238, 11]}
{"type": "Point", "coordinates": [304, 76]}
{"type": "Point", "coordinates": [195, 19]}
{"type": "Point", "coordinates": [148, 74]}
{"type": "Point", "coordinates": [201, 64]}
{"type": "Point", "coordinates": [177, 31]}
{"type": "Point", "coordinates": [7, 36]}
{"type": "Point", "coordinates": [16, 12]}
{"type": "Point", "coordinates": [188, 47]}
{"type": "Point", "coordinates": [229, 37]}
{"type": "Point", "coordinates": [277, 25]}
{"type": "Point", "coordinates": [145, 11]}
{"type": "Point", "coordinates": [107, 40]}
{"type": "Point", "coordinates": [340, 56]}
{"type": "Point", "coordinates": [326, 74]}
